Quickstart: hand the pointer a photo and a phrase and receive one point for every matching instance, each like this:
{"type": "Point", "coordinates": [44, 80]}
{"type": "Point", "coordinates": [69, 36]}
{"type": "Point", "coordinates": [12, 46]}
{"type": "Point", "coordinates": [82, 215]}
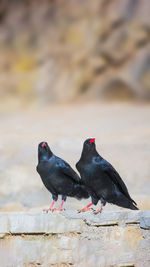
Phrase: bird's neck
{"type": "Point", "coordinates": [88, 155]}
{"type": "Point", "coordinates": [44, 156]}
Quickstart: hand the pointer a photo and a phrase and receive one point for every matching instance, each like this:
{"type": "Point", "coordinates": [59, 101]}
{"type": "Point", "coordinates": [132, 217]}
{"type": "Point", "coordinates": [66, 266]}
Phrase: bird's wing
{"type": "Point", "coordinates": [115, 177]}
{"type": "Point", "coordinates": [37, 169]}
{"type": "Point", "coordinates": [67, 170]}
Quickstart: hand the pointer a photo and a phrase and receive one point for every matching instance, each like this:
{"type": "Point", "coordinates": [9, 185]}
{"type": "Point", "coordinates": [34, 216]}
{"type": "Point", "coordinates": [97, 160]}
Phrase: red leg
{"type": "Point", "coordinates": [60, 206]}
{"type": "Point", "coordinates": [51, 207]}
{"type": "Point", "coordinates": [99, 209]}
{"type": "Point", "coordinates": [86, 208]}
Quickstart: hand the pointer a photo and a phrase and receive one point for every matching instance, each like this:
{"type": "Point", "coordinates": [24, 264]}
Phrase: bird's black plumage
{"type": "Point", "coordinates": [103, 180]}
{"type": "Point", "coordinates": [58, 176]}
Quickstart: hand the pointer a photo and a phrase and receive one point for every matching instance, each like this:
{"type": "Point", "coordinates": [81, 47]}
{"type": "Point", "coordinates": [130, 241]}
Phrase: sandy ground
{"type": "Point", "coordinates": [122, 133]}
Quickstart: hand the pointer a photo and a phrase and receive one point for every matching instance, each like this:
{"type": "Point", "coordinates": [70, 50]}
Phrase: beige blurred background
{"type": "Point", "coordinates": [70, 70]}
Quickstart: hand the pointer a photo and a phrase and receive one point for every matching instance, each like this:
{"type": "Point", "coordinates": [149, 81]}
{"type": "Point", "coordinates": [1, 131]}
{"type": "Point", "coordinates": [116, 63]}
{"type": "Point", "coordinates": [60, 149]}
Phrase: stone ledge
{"type": "Point", "coordinates": [68, 221]}
{"type": "Point", "coordinates": [113, 238]}
{"type": "Point", "coordinates": [122, 217]}
{"type": "Point", "coordinates": [37, 223]}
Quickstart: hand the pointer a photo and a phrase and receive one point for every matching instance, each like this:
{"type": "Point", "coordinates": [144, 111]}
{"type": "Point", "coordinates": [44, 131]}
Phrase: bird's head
{"type": "Point", "coordinates": [89, 144]}
{"type": "Point", "coordinates": [44, 151]}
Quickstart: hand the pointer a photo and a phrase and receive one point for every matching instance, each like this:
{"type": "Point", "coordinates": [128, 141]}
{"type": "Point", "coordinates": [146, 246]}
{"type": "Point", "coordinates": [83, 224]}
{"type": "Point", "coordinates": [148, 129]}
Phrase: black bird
{"type": "Point", "coordinates": [103, 180]}
{"type": "Point", "coordinates": [58, 177]}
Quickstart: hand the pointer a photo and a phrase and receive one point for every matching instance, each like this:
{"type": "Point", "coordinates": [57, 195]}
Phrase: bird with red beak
{"type": "Point", "coordinates": [58, 177]}
{"type": "Point", "coordinates": [103, 181]}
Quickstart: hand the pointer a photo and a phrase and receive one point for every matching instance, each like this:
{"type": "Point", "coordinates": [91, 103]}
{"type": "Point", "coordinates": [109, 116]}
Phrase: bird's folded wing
{"type": "Point", "coordinates": [66, 169]}
{"type": "Point", "coordinates": [115, 177]}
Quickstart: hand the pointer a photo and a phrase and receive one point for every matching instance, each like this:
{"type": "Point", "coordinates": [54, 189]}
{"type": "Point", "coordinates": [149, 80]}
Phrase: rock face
{"type": "Point", "coordinates": [69, 238]}
{"type": "Point", "coordinates": [57, 51]}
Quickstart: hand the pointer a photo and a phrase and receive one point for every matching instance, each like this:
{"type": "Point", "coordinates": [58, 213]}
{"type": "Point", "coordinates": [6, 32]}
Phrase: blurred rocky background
{"type": "Point", "coordinates": [59, 50]}
{"type": "Point", "coordinates": [72, 69]}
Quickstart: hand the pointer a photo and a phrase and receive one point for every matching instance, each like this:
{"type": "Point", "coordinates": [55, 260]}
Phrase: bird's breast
{"type": "Point", "coordinates": [86, 173]}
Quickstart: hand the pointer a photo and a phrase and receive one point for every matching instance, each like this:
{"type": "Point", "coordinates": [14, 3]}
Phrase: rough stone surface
{"type": "Point", "coordinates": [145, 222]}
{"type": "Point", "coordinates": [69, 238]}
{"type": "Point", "coordinates": [15, 223]}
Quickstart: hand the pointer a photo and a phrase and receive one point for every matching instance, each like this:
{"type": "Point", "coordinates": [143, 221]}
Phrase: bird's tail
{"type": "Point", "coordinates": [133, 202]}
{"type": "Point", "coordinates": [124, 202]}
{"type": "Point", "coordinates": [80, 191]}
{"type": "Point", "coordinates": [132, 206]}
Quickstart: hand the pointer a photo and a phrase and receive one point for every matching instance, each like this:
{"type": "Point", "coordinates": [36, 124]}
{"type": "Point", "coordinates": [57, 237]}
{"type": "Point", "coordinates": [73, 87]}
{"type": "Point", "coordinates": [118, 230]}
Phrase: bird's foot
{"type": "Point", "coordinates": [59, 209]}
{"type": "Point", "coordinates": [47, 210]}
{"type": "Point", "coordinates": [98, 210]}
{"type": "Point", "coordinates": [84, 209]}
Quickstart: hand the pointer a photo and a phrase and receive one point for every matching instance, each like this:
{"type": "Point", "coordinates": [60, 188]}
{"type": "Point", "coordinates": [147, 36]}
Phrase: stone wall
{"type": "Point", "coordinates": [120, 238]}
{"type": "Point", "coordinates": [60, 50]}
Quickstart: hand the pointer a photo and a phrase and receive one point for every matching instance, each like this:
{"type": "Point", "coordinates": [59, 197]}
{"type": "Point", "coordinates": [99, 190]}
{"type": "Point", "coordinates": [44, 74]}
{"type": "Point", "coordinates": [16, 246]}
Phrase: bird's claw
{"type": "Point", "coordinates": [59, 209]}
{"type": "Point", "coordinates": [84, 210]}
{"type": "Point", "coordinates": [97, 211]}
{"type": "Point", "coordinates": [47, 210]}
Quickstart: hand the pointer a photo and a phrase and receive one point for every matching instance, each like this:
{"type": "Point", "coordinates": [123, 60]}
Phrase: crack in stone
{"type": "Point", "coordinates": [104, 224]}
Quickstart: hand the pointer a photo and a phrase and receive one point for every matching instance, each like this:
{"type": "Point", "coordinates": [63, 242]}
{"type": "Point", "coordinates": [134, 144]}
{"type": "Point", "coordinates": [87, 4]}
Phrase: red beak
{"type": "Point", "coordinates": [44, 144]}
{"type": "Point", "coordinates": [92, 140]}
